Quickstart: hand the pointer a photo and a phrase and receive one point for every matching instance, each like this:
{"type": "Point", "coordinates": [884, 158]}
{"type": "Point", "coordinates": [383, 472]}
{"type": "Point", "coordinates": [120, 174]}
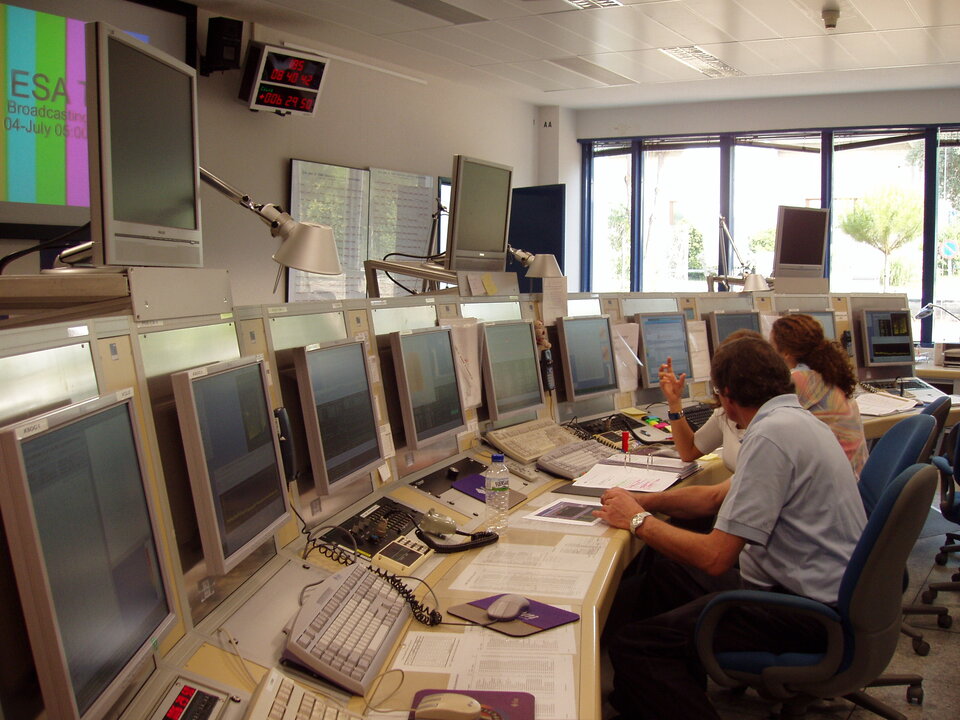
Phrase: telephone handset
{"type": "Point", "coordinates": [433, 525]}
{"type": "Point", "coordinates": [546, 370]}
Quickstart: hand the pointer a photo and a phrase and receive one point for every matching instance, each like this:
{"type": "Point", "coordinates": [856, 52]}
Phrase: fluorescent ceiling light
{"type": "Point", "coordinates": [590, 4]}
{"type": "Point", "coordinates": [700, 60]}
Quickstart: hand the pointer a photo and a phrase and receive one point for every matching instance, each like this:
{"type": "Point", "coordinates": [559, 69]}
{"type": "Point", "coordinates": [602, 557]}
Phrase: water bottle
{"type": "Point", "coordinates": [496, 488]}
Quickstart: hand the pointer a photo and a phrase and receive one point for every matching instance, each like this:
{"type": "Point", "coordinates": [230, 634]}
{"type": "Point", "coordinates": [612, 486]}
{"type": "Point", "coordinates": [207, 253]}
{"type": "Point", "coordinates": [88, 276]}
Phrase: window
{"type": "Point", "coordinates": [611, 226]}
{"type": "Point", "coordinates": [946, 285]}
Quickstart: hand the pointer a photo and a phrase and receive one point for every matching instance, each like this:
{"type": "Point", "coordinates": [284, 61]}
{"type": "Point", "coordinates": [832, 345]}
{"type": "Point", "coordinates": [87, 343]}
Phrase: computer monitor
{"type": "Point", "coordinates": [826, 318]}
{"type": "Point", "coordinates": [479, 215]}
{"type": "Point", "coordinates": [662, 336]}
{"type": "Point", "coordinates": [887, 338]}
{"type": "Point", "coordinates": [85, 550]}
{"type": "Point", "coordinates": [511, 368]}
{"type": "Point", "coordinates": [587, 357]}
{"type": "Point", "coordinates": [144, 153]}
{"type": "Point", "coordinates": [339, 412]}
{"type": "Point", "coordinates": [721, 324]}
{"type": "Point", "coordinates": [233, 458]}
{"type": "Point", "coordinates": [800, 246]}
{"type": "Point", "coordinates": [427, 385]}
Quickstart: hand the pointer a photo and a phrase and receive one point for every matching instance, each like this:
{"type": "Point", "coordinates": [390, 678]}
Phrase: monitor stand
{"type": "Point", "coordinates": [801, 285]}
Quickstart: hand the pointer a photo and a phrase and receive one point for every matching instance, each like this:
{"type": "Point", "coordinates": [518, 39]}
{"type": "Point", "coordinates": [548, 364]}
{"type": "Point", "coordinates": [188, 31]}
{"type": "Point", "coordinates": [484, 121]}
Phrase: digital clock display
{"type": "Point", "coordinates": [291, 70]}
{"type": "Point", "coordinates": [280, 97]}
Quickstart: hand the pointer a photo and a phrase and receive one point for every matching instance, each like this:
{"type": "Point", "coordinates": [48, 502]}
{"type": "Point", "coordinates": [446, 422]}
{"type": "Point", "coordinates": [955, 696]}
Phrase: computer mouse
{"type": "Point", "coordinates": [447, 706]}
{"type": "Point", "coordinates": [507, 607]}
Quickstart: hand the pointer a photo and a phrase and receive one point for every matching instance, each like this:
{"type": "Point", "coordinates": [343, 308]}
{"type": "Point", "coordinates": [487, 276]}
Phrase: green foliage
{"type": "Point", "coordinates": [763, 241]}
{"type": "Point", "coordinates": [886, 220]}
{"type": "Point", "coordinates": [618, 224]}
{"type": "Point", "coordinates": [902, 274]}
{"type": "Point", "coordinates": [695, 257]}
{"type": "Point", "coordinates": [949, 181]}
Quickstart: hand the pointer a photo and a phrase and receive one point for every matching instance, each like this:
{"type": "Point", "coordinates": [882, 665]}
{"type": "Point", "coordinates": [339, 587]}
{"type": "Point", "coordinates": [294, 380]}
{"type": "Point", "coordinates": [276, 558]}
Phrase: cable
{"type": "Point", "coordinates": [7, 259]}
{"type": "Point", "coordinates": [400, 284]}
{"type": "Point", "coordinates": [369, 705]}
{"type": "Point", "coordinates": [329, 550]}
{"type": "Point", "coordinates": [221, 632]}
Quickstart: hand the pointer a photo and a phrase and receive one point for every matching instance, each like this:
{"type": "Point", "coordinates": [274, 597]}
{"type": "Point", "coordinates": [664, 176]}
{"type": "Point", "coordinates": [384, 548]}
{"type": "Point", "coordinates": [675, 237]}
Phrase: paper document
{"type": "Point", "coordinates": [881, 403]}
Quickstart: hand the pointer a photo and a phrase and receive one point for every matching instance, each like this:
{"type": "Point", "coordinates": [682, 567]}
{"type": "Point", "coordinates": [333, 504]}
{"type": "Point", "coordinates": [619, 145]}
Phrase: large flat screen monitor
{"type": "Point", "coordinates": [233, 458]}
{"type": "Point", "coordinates": [662, 336]}
{"type": "Point", "coordinates": [826, 318]}
{"type": "Point", "coordinates": [587, 357]}
{"type": "Point", "coordinates": [85, 550]}
{"type": "Point", "coordinates": [800, 246]}
{"type": "Point", "coordinates": [427, 385]}
{"type": "Point", "coordinates": [144, 153]}
{"type": "Point", "coordinates": [511, 368]}
{"type": "Point", "coordinates": [887, 338]}
{"type": "Point", "coordinates": [339, 415]}
{"type": "Point", "coordinates": [479, 215]}
{"type": "Point", "coordinates": [721, 324]}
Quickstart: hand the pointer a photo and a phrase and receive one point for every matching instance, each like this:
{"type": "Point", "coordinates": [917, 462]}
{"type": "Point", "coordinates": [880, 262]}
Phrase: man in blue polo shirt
{"type": "Point", "coordinates": [788, 520]}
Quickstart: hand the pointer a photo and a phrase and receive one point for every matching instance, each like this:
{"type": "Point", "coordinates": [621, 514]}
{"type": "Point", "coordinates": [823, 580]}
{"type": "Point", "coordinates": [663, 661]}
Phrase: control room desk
{"type": "Point", "coordinates": [209, 661]}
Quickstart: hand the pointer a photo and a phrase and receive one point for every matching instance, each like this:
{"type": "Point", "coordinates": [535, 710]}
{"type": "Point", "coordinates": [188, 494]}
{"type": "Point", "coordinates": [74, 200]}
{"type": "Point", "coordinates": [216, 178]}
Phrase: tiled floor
{"type": "Point", "coordinates": [940, 669]}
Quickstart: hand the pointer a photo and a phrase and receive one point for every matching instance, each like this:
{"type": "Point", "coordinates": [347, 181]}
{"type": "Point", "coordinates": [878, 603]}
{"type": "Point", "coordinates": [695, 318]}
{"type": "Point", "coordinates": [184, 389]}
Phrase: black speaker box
{"type": "Point", "coordinates": [224, 37]}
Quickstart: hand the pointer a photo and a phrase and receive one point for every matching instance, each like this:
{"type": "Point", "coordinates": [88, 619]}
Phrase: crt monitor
{"type": "Point", "coordinates": [339, 412]}
{"type": "Point", "coordinates": [887, 338]}
{"type": "Point", "coordinates": [800, 245]}
{"type": "Point", "coordinates": [511, 368]}
{"type": "Point", "coordinates": [86, 552]}
{"type": "Point", "coordinates": [721, 324]}
{"type": "Point", "coordinates": [144, 153]}
{"type": "Point", "coordinates": [233, 458]}
{"type": "Point", "coordinates": [427, 385]}
{"type": "Point", "coordinates": [479, 215]}
{"type": "Point", "coordinates": [587, 357]}
{"type": "Point", "coordinates": [662, 336]}
{"type": "Point", "coordinates": [826, 318]}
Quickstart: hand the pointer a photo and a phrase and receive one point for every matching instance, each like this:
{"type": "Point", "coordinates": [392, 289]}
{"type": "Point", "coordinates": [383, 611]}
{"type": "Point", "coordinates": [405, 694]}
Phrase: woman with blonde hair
{"type": "Point", "coordinates": [824, 380]}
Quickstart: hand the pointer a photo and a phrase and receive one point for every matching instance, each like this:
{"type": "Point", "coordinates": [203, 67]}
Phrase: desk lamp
{"type": "Point", "coordinates": [305, 246]}
{"type": "Point", "coordinates": [927, 310]}
{"type": "Point", "coordinates": [543, 265]}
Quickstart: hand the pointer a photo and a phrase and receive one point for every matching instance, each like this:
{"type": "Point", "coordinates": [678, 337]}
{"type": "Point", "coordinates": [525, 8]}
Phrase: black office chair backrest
{"type": "Point", "coordinates": [897, 449]}
{"type": "Point", "coordinates": [938, 410]}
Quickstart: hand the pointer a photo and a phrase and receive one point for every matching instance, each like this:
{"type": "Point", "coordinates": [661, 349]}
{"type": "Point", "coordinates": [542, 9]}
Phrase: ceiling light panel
{"type": "Point", "coordinates": [703, 62]}
{"type": "Point", "coordinates": [594, 4]}
{"type": "Point", "coordinates": [592, 71]}
{"type": "Point", "coordinates": [442, 11]}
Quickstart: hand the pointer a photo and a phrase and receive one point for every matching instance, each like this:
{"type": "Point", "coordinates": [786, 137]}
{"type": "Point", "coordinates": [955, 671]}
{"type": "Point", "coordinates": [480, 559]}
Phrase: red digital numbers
{"type": "Point", "coordinates": [306, 104]}
{"type": "Point", "coordinates": [297, 64]}
{"type": "Point", "coordinates": [276, 74]}
{"type": "Point", "coordinates": [175, 712]}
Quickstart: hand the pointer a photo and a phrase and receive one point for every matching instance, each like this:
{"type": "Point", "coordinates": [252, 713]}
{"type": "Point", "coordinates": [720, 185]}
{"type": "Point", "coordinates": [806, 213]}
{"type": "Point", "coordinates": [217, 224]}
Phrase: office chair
{"type": "Point", "coordinates": [938, 410]}
{"type": "Point", "coordinates": [862, 630]}
{"type": "Point", "coordinates": [899, 447]}
{"type": "Point", "coordinates": [949, 469]}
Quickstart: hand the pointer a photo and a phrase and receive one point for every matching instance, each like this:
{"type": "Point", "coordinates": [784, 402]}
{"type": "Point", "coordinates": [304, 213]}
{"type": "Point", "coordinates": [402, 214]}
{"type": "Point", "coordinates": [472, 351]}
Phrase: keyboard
{"type": "Point", "coordinates": [911, 387]}
{"type": "Point", "coordinates": [345, 630]}
{"type": "Point", "coordinates": [526, 442]}
{"type": "Point", "coordinates": [697, 415]}
{"type": "Point", "coordinates": [277, 697]}
{"type": "Point", "coordinates": [572, 461]}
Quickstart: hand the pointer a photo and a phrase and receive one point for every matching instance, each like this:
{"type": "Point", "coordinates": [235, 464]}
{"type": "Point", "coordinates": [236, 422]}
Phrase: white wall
{"type": "Point", "coordinates": [366, 118]}
{"type": "Point", "coordinates": [817, 111]}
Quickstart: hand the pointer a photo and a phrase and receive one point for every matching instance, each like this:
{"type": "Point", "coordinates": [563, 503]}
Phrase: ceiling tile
{"type": "Point", "coordinates": [683, 21]}
{"type": "Point", "coordinates": [936, 12]}
{"type": "Point", "coordinates": [571, 43]}
{"type": "Point", "coordinates": [431, 42]}
{"type": "Point", "coordinates": [886, 14]}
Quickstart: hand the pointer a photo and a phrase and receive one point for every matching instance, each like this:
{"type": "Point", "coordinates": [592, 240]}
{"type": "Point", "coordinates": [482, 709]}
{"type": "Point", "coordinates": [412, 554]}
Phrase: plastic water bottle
{"type": "Point", "coordinates": [496, 488]}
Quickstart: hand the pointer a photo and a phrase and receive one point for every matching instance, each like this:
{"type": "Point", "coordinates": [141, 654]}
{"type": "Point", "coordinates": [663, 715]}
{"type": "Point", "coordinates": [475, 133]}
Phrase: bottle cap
{"type": "Point", "coordinates": [497, 457]}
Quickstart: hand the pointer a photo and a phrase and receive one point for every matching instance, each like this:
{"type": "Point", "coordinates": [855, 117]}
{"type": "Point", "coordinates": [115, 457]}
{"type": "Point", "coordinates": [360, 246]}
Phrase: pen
{"type": "Point", "coordinates": [625, 445]}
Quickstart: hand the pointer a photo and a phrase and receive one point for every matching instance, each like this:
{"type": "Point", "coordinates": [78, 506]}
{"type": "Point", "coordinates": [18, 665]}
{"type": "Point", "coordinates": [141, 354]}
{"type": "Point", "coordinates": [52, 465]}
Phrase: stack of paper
{"type": "Point", "coordinates": [640, 473]}
{"type": "Point", "coordinates": [882, 403]}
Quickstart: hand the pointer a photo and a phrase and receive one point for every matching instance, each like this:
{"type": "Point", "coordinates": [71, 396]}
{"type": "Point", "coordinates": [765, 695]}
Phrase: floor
{"type": "Point", "coordinates": [940, 669]}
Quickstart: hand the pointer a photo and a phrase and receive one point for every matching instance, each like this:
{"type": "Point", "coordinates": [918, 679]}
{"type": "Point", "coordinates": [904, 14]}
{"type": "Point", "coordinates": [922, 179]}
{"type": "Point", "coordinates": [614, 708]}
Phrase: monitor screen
{"type": "Point", "coordinates": [511, 368]}
{"type": "Point", "coordinates": [586, 354]}
{"type": "Point", "coordinates": [427, 385]}
{"type": "Point", "coordinates": [479, 215]}
{"type": "Point", "coordinates": [826, 318]}
{"type": "Point", "coordinates": [662, 336]}
{"type": "Point", "coordinates": [233, 458]}
{"type": "Point", "coordinates": [800, 245]}
{"type": "Point", "coordinates": [339, 416]}
{"type": "Point", "coordinates": [85, 550]}
{"type": "Point", "coordinates": [721, 324]}
{"type": "Point", "coordinates": [887, 338]}
{"type": "Point", "coordinates": [144, 153]}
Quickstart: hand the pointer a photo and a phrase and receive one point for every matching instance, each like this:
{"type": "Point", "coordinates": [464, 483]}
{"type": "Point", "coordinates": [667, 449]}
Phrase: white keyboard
{"type": "Point", "coordinates": [572, 461]}
{"type": "Point", "coordinates": [346, 630]}
{"type": "Point", "coordinates": [526, 442]}
{"type": "Point", "coordinates": [277, 697]}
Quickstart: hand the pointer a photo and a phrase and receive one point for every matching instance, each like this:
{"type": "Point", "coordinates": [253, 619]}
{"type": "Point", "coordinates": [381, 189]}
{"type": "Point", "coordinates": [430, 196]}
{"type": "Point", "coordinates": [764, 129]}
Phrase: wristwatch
{"type": "Point", "coordinates": [671, 416]}
{"type": "Point", "coordinates": [637, 520]}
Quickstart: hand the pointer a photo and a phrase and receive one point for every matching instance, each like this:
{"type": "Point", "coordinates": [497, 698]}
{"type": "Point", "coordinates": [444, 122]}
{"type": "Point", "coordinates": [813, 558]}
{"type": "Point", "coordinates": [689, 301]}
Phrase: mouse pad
{"type": "Point", "coordinates": [504, 705]}
{"type": "Point", "coordinates": [539, 616]}
{"type": "Point", "coordinates": [473, 484]}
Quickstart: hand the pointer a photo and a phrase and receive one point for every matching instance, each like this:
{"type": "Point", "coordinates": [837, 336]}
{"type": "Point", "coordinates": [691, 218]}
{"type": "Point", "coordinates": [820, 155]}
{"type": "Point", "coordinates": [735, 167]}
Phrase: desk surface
{"type": "Point", "coordinates": [508, 566]}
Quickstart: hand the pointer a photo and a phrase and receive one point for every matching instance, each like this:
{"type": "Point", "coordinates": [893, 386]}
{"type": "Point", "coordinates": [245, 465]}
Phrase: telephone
{"type": "Point", "coordinates": [433, 525]}
{"type": "Point", "coordinates": [401, 556]}
{"type": "Point", "coordinates": [546, 370]}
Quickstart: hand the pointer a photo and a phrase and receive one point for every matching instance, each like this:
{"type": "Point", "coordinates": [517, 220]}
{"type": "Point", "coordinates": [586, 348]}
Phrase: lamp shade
{"type": "Point", "coordinates": [308, 247]}
{"type": "Point", "coordinates": [544, 265]}
{"type": "Point", "coordinates": [754, 282]}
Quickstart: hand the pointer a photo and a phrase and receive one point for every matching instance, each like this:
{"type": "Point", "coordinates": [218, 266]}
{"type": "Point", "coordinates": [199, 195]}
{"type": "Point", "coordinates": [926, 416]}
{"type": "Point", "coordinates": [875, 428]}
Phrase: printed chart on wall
{"type": "Point", "coordinates": [372, 212]}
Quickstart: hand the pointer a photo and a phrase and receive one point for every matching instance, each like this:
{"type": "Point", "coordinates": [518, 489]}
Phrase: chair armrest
{"type": "Point", "coordinates": [713, 614]}
{"type": "Point", "coordinates": [947, 489]}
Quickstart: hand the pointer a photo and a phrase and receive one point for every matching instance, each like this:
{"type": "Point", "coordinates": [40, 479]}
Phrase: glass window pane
{"type": "Point", "coordinates": [611, 222]}
{"type": "Point", "coordinates": [877, 219]}
{"type": "Point", "coordinates": [681, 218]}
{"type": "Point", "coordinates": [794, 163]}
{"type": "Point", "coordinates": [946, 284]}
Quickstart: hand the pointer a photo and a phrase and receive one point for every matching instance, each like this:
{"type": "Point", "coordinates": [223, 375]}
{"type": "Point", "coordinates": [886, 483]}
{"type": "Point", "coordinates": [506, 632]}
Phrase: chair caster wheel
{"type": "Point", "coordinates": [940, 559]}
{"type": "Point", "coordinates": [955, 577]}
{"type": "Point", "coordinates": [915, 695]}
{"type": "Point", "coordinates": [921, 647]}
{"type": "Point", "coordinates": [944, 621]}
{"type": "Point", "coordinates": [928, 597]}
